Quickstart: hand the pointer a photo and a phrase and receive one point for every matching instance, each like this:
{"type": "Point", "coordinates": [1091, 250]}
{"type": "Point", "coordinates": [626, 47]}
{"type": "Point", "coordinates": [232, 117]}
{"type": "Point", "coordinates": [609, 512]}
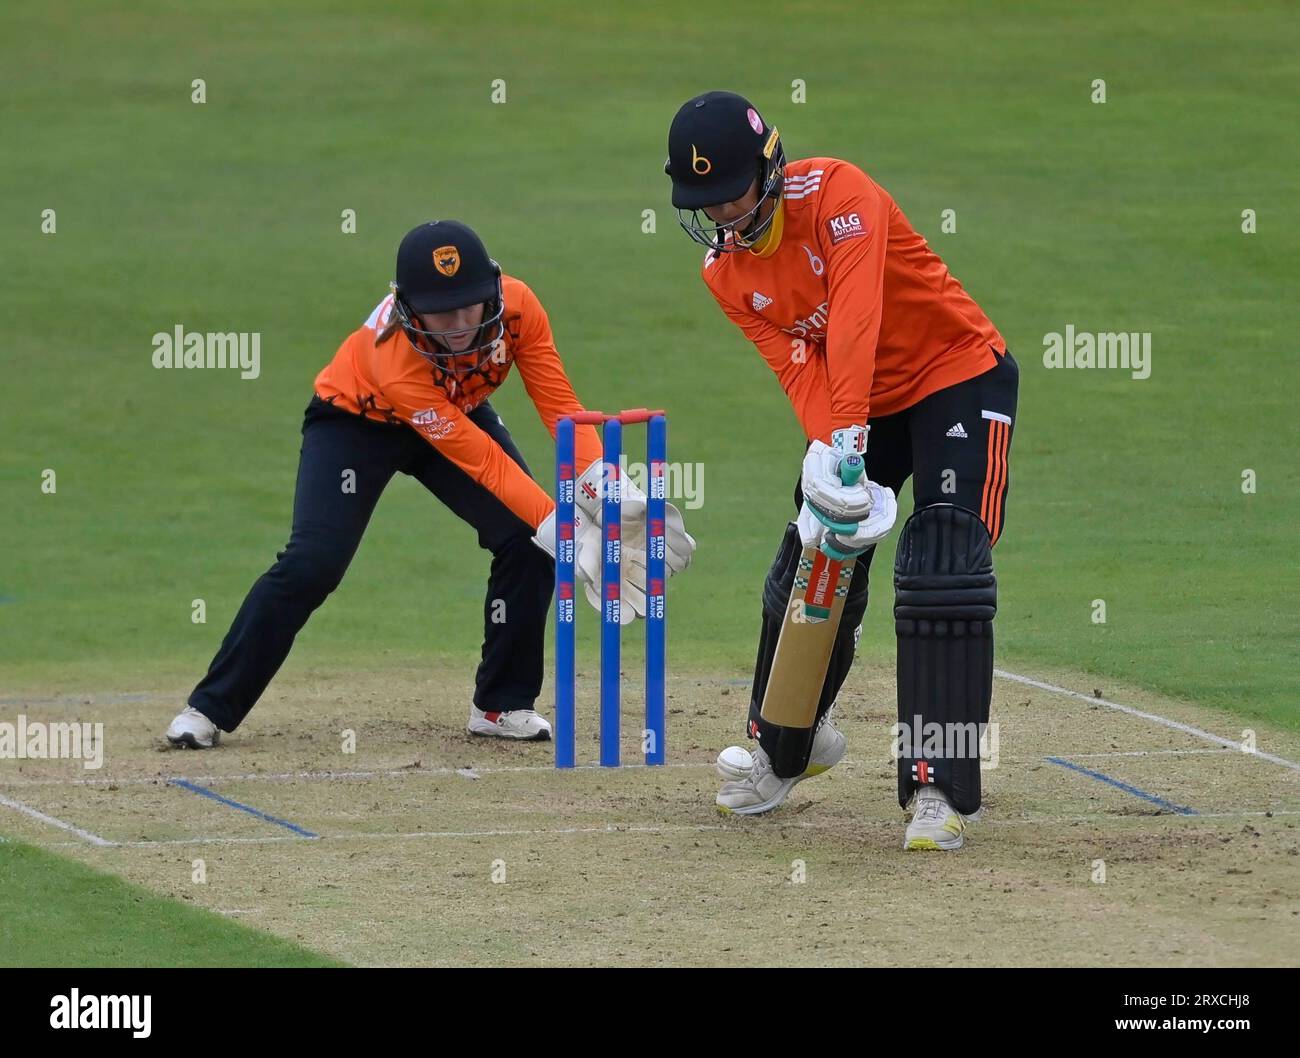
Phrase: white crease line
{"type": "Point", "coordinates": [471, 772]}
{"type": "Point", "coordinates": [1177, 725]}
{"type": "Point", "coordinates": [292, 776]}
{"type": "Point", "coordinates": [1149, 753]}
{"type": "Point", "coordinates": [127, 698]}
{"type": "Point", "coordinates": [740, 827]}
{"type": "Point", "coordinates": [28, 810]}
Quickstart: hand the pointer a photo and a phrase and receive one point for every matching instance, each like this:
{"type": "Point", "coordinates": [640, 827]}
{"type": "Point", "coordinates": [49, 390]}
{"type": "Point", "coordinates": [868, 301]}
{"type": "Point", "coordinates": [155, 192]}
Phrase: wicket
{"type": "Point", "coordinates": [611, 558]}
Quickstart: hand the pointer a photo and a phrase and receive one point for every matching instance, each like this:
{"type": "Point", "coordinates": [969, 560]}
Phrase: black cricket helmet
{"type": "Point", "coordinates": [441, 266]}
{"type": "Point", "coordinates": [718, 145]}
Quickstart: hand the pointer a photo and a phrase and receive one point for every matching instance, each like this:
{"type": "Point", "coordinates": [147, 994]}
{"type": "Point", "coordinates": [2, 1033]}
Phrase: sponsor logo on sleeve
{"type": "Point", "coordinates": [432, 424]}
{"type": "Point", "coordinates": [845, 226]}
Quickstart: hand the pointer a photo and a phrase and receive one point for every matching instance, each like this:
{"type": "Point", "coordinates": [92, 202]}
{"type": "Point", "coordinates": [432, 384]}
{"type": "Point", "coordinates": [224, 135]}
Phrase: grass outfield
{"type": "Point", "coordinates": [57, 913]}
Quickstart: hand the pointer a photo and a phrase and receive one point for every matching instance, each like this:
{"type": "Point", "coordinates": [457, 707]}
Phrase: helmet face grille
{"type": "Point", "coordinates": [744, 231]}
{"type": "Point", "coordinates": [439, 347]}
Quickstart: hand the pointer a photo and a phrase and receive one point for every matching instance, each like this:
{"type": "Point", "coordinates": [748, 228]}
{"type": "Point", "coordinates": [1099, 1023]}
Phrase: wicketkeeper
{"type": "Point", "coordinates": [408, 393]}
{"type": "Point", "coordinates": [883, 355]}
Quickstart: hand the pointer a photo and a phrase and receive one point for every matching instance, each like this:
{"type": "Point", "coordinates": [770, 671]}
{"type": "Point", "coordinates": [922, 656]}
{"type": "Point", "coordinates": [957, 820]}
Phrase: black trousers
{"type": "Point", "coordinates": [328, 523]}
{"type": "Point", "coordinates": [954, 445]}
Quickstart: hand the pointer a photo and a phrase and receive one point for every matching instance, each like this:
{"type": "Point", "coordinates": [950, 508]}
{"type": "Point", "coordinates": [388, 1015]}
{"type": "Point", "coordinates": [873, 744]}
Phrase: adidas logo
{"type": "Point", "coordinates": [761, 301]}
{"type": "Point", "coordinates": [957, 431]}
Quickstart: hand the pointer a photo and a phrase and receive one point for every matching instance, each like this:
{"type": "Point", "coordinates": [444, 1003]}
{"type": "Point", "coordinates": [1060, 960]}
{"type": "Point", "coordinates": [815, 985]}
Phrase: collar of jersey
{"type": "Point", "coordinates": [767, 245]}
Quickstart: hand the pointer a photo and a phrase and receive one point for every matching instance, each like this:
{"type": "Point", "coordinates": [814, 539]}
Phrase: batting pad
{"type": "Point", "coordinates": [946, 596]}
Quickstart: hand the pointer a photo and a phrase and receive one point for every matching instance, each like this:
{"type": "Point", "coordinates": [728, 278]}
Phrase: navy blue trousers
{"type": "Point", "coordinates": [328, 524]}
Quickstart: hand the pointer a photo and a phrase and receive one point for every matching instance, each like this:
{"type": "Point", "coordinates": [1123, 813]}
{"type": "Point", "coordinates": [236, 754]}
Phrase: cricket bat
{"type": "Point", "coordinates": [812, 619]}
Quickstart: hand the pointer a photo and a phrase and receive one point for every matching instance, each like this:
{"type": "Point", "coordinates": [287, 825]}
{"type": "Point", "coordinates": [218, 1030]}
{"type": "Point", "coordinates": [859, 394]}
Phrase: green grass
{"type": "Point", "coordinates": [54, 912]}
{"type": "Point", "coordinates": [174, 486]}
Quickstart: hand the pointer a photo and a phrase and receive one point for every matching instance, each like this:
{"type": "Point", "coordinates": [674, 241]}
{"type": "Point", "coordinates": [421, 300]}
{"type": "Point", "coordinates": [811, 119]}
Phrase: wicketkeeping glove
{"type": "Point", "coordinates": [586, 551]}
{"type": "Point", "coordinates": [680, 545]}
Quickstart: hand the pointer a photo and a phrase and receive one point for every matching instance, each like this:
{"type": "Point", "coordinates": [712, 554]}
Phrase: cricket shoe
{"type": "Point", "coordinates": [753, 790]}
{"type": "Point", "coordinates": [192, 730]}
{"type": "Point", "coordinates": [523, 725]}
{"type": "Point", "coordinates": [935, 823]}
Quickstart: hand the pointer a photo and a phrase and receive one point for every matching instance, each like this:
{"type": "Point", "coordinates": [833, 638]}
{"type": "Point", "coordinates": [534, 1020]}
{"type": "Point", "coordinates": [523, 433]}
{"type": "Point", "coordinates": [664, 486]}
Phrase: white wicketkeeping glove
{"type": "Point", "coordinates": [587, 559]}
{"type": "Point", "coordinates": [631, 580]}
{"type": "Point", "coordinates": [679, 545]}
{"type": "Point", "coordinates": [588, 495]}
{"type": "Point", "coordinates": [589, 491]}
{"type": "Point", "coordinates": [586, 551]}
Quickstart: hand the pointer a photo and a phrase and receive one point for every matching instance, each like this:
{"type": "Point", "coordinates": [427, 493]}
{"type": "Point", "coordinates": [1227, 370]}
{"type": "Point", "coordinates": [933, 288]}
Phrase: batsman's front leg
{"type": "Point", "coordinates": [786, 755]}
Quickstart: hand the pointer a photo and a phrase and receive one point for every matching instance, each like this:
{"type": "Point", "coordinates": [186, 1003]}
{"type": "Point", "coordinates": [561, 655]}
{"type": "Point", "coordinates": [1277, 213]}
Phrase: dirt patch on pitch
{"type": "Point", "coordinates": [1108, 839]}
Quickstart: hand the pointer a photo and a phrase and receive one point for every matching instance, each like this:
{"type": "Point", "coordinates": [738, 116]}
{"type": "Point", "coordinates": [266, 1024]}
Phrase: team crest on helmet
{"type": "Point", "coordinates": [446, 259]}
{"type": "Point", "coordinates": [699, 163]}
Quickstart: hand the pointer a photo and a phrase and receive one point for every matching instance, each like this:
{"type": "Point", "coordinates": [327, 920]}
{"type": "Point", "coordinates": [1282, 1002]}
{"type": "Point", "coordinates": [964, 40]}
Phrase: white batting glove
{"type": "Point", "coordinates": [826, 492]}
{"type": "Point", "coordinates": [872, 529]}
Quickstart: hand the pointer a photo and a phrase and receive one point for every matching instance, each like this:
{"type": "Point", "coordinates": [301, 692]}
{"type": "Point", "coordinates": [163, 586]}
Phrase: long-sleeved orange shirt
{"type": "Point", "coordinates": [855, 314]}
{"type": "Point", "coordinates": [391, 382]}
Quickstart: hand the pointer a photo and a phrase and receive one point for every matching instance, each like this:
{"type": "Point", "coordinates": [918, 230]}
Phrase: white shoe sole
{"type": "Point", "coordinates": [783, 791]}
{"type": "Point", "coordinates": [947, 841]}
{"type": "Point", "coordinates": [487, 729]}
{"type": "Point", "coordinates": [924, 844]}
{"type": "Point", "coordinates": [786, 786]}
{"type": "Point", "coordinates": [190, 741]}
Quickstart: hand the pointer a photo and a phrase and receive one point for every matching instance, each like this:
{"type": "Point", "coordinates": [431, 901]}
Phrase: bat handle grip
{"type": "Point", "coordinates": [851, 468]}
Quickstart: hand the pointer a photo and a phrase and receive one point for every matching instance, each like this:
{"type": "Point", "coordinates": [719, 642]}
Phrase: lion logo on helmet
{"type": "Point", "coordinates": [446, 259]}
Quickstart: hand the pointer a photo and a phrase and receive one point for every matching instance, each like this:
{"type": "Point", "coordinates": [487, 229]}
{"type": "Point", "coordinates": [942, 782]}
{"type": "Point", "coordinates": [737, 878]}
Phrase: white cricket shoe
{"type": "Point", "coordinates": [754, 790]}
{"type": "Point", "coordinates": [523, 725]}
{"type": "Point", "coordinates": [192, 730]}
{"type": "Point", "coordinates": [935, 823]}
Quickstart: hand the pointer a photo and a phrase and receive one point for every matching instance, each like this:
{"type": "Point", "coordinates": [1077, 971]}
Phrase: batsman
{"type": "Point", "coordinates": [893, 371]}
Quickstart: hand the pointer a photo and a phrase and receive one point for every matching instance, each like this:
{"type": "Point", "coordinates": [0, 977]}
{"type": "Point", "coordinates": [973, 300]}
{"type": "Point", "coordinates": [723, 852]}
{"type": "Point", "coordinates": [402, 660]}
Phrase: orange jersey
{"type": "Point", "coordinates": [853, 311]}
{"type": "Point", "coordinates": [391, 382]}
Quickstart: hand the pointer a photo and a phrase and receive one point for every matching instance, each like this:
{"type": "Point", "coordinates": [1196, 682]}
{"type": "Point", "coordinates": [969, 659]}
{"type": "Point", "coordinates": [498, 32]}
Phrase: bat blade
{"type": "Point", "coordinates": [803, 650]}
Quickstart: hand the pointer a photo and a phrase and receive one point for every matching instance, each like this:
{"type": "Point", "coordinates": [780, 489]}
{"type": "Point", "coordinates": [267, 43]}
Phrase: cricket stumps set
{"type": "Point", "coordinates": [610, 587]}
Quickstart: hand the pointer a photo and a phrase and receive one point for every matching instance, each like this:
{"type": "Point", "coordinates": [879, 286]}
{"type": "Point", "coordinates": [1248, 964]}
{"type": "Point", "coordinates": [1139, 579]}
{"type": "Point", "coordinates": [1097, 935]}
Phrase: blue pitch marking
{"type": "Point", "coordinates": [205, 792]}
{"type": "Point", "coordinates": [1182, 810]}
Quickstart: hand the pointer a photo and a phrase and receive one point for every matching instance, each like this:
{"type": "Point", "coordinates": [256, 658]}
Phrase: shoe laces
{"type": "Point", "coordinates": [931, 808]}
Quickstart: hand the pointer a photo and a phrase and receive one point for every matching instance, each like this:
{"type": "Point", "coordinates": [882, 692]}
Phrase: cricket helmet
{"type": "Point", "coordinates": [718, 145]}
{"type": "Point", "coordinates": [441, 266]}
